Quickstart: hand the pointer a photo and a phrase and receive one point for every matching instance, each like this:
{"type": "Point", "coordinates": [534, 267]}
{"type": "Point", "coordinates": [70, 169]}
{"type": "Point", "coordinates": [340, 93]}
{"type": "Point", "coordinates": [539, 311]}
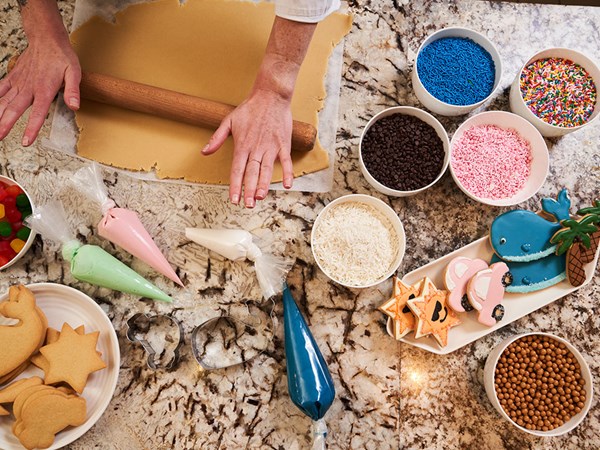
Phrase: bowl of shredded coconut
{"type": "Point", "coordinates": [358, 241]}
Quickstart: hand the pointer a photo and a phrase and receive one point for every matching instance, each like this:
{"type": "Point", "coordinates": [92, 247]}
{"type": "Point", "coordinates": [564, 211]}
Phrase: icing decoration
{"type": "Point", "coordinates": [522, 235]}
{"type": "Point", "coordinates": [433, 314]}
{"type": "Point", "coordinates": [535, 275]}
{"type": "Point", "coordinates": [486, 291]}
{"type": "Point", "coordinates": [588, 255]}
{"type": "Point", "coordinates": [575, 238]}
{"type": "Point", "coordinates": [522, 239]}
{"type": "Point", "coordinates": [397, 310]}
{"type": "Point", "coordinates": [457, 276]}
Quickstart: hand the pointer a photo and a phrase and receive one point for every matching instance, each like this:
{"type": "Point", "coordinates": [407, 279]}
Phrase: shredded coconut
{"type": "Point", "coordinates": [355, 244]}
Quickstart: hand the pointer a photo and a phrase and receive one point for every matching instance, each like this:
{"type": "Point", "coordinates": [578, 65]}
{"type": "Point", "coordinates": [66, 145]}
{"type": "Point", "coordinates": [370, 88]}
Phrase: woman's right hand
{"type": "Point", "coordinates": [43, 68]}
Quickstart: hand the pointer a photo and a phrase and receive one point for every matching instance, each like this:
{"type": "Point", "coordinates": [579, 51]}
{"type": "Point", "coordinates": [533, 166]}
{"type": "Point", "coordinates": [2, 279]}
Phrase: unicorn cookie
{"type": "Point", "coordinates": [485, 292]}
{"type": "Point", "coordinates": [456, 277]}
{"type": "Point", "coordinates": [521, 239]}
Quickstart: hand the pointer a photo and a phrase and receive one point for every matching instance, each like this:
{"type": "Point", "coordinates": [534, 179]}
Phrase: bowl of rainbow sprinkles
{"type": "Point", "coordinates": [557, 91]}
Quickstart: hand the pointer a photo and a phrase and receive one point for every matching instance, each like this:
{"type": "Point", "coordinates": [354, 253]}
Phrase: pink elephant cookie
{"type": "Point", "coordinates": [456, 277]}
{"type": "Point", "coordinates": [485, 292]}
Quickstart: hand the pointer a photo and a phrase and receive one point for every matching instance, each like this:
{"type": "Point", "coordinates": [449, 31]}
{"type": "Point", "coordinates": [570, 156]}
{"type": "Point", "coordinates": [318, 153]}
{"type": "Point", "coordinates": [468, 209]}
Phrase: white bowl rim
{"type": "Point", "coordinates": [402, 110]}
{"type": "Point", "coordinates": [535, 57]}
{"type": "Point", "coordinates": [359, 197]}
{"type": "Point", "coordinates": [32, 234]}
{"type": "Point", "coordinates": [497, 79]}
{"type": "Point", "coordinates": [585, 371]}
{"type": "Point", "coordinates": [463, 126]}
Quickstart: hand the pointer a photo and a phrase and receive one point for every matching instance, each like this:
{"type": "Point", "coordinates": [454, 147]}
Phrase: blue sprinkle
{"type": "Point", "coordinates": [456, 70]}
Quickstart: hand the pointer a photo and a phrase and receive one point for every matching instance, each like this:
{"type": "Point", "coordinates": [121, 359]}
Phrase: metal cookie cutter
{"type": "Point", "coordinates": [161, 337]}
{"type": "Point", "coordinates": [225, 341]}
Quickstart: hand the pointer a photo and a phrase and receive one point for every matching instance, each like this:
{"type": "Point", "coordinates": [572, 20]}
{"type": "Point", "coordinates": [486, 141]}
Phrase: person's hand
{"type": "Point", "coordinates": [262, 133]}
{"type": "Point", "coordinates": [34, 81]}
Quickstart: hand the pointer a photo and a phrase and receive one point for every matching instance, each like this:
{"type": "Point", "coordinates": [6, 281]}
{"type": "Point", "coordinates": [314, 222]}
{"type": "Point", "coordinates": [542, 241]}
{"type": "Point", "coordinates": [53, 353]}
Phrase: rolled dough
{"type": "Point", "coordinates": [208, 48]}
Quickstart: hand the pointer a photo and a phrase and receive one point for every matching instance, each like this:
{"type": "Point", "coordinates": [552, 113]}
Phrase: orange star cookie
{"type": "Point", "coordinates": [433, 314]}
{"type": "Point", "coordinates": [72, 358]}
{"type": "Point", "coordinates": [401, 316]}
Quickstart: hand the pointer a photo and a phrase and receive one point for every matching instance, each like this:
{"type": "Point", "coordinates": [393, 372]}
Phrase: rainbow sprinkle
{"type": "Point", "coordinates": [558, 91]}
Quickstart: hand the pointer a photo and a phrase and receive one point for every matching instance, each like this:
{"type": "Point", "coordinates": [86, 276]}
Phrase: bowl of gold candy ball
{"type": "Point", "coordinates": [539, 382]}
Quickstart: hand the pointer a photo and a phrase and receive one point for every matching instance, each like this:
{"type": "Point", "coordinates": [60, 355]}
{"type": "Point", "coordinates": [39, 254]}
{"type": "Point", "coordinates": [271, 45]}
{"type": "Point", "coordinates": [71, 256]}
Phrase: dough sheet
{"type": "Point", "coordinates": [207, 48]}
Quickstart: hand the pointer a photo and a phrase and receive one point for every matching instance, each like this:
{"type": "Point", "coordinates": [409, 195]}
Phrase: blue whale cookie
{"type": "Point", "coordinates": [521, 239]}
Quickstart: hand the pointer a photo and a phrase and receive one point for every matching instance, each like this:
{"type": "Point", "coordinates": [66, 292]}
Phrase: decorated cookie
{"type": "Point", "coordinates": [456, 277]}
{"type": "Point", "coordinates": [402, 317]}
{"type": "Point", "coordinates": [433, 314]}
{"type": "Point", "coordinates": [486, 291]}
{"type": "Point", "coordinates": [521, 239]}
{"type": "Point", "coordinates": [588, 254]}
{"type": "Point", "coordinates": [574, 238]}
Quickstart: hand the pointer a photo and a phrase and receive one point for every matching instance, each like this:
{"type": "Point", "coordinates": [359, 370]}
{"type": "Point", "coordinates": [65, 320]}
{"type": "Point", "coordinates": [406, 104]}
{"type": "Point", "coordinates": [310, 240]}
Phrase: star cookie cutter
{"type": "Point", "coordinates": [157, 338]}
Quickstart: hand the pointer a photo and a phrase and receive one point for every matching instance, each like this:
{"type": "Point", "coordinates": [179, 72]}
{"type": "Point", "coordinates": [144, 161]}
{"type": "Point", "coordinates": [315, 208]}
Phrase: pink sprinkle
{"type": "Point", "coordinates": [491, 162]}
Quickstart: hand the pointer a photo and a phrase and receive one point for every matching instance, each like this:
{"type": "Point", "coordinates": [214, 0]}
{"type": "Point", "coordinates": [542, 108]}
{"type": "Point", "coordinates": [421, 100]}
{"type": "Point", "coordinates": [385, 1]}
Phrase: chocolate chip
{"type": "Point", "coordinates": [402, 152]}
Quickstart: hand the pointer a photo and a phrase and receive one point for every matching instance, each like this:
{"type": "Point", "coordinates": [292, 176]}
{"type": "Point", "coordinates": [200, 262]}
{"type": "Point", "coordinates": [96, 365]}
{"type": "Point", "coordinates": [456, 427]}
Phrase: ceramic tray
{"type": "Point", "coordinates": [64, 304]}
{"type": "Point", "coordinates": [516, 305]}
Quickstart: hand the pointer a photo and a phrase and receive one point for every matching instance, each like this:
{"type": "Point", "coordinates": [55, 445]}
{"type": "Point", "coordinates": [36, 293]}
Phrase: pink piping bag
{"type": "Point", "coordinates": [122, 226]}
{"type": "Point", "coordinates": [90, 263]}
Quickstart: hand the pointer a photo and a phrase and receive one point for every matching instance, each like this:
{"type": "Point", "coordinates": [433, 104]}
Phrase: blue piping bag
{"type": "Point", "coordinates": [310, 384]}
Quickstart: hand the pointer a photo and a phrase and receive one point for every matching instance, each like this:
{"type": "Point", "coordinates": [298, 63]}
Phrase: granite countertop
{"type": "Point", "coordinates": [389, 394]}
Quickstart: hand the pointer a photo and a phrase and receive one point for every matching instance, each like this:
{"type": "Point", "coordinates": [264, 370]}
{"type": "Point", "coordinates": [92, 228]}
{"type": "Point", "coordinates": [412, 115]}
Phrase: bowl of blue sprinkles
{"type": "Point", "coordinates": [456, 71]}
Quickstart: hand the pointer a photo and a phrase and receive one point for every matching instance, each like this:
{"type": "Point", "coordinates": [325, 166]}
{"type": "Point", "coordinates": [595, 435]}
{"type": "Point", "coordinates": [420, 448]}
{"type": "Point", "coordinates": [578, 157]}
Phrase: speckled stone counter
{"type": "Point", "coordinates": [389, 394]}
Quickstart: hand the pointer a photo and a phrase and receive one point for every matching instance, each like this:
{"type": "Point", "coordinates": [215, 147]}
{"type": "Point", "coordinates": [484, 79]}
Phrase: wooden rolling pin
{"type": "Point", "coordinates": [171, 105]}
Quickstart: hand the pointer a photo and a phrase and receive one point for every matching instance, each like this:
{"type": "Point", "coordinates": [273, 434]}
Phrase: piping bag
{"type": "Point", "coordinates": [121, 226]}
{"type": "Point", "coordinates": [90, 263]}
{"type": "Point", "coordinates": [238, 245]}
{"type": "Point", "coordinates": [310, 385]}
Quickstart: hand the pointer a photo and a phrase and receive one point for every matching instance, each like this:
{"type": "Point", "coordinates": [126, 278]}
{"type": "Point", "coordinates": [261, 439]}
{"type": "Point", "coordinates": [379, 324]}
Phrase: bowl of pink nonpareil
{"type": "Point", "coordinates": [498, 158]}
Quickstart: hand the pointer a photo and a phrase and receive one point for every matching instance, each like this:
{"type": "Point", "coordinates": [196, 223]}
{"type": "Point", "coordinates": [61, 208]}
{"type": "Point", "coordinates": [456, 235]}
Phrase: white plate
{"type": "Point", "coordinates": [64, 304]}
{"type": "Point", "coordinates": [515, 305]}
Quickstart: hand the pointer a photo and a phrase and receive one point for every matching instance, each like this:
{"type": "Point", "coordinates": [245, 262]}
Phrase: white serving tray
{"type": "Point", "coordinates": [516, 305]}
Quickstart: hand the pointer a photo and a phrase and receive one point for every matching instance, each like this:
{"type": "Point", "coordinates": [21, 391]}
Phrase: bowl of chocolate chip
{"type": "Point", "coordinates": [403, 151]}
{"type": "Point", "coordinates": [539, 382]}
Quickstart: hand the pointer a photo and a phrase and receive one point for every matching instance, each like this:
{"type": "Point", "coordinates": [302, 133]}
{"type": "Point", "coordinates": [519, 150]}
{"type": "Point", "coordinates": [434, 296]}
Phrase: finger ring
{"type": "Point", "coordinates": [255, 160]}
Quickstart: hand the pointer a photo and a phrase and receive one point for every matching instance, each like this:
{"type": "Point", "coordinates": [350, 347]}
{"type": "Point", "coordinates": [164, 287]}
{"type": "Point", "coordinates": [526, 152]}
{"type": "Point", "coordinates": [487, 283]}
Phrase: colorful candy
{"type": "Point", "coordinates": [491, 162]}
{"type": "Point", "coordinates": [14, 207]}
{"type": "Point", "coordinates": [558, 91]}
{"type": "Point", "coordinates": [456, 70]}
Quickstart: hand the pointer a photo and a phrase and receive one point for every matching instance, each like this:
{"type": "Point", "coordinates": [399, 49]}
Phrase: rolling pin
{"type": "Point", "coordinates": [171, 105]}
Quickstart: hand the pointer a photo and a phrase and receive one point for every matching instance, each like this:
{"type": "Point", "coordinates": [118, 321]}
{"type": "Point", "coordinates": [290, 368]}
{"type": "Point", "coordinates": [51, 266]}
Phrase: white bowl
{"type": "Point", "coordinates": [539, 154]}
{"type": "Point", "coordinates": [439, 106]}
{"type": "Point", "coordinates": [387, 212]}
{"type": "Point", "coordinates": [488, 381]}
{"type": "Point", "coordinates": [518, 106]}
{"type": "Point", "coordinates": [31, 238]}
{"type": "Point", "coordinates": [419, 114]}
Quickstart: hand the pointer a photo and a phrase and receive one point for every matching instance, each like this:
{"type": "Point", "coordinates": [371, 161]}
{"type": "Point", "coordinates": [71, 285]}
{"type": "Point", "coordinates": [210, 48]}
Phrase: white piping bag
{"type": "Point", "coordinates": [238, 245]}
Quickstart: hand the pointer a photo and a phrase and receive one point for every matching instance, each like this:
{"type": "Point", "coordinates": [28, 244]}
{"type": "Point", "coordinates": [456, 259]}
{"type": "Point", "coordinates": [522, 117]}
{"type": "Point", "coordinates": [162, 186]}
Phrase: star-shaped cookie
{"type": "Point", "coordinates": [434, 316]}
{"type": "Point", "coordinates": [401, 316]}
{"type": "Point", "coordinates": [72, 358]}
